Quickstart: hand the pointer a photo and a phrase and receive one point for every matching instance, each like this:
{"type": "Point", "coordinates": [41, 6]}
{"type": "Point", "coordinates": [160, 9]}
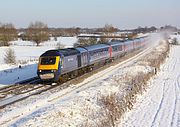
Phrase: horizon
{"type": "Point", "coordinates": [102, 27]}
{"type": "Point", "coordinates": [91, 14]}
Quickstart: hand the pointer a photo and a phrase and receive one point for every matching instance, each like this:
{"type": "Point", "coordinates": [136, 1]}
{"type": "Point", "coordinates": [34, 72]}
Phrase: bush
{"type": "Point", "coordinates": [175, 41]}
{"type": "Point", "coordinates": [103, 40]}
{"type": "Point", "coordinates": [86, 42]}
{"type": "Point", "coordinates": [114, 105]}
{"type": "Point", "coordinates": [7, 33]}
{"type": "Point", "coordinates": [60, 46]}
{"type": "Point", "coordinates": [10, 57]}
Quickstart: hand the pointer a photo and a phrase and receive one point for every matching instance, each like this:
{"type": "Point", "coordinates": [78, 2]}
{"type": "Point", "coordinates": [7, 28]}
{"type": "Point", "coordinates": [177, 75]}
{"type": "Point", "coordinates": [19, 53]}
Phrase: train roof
{"type": "Point", "coordinates": [65, 52]}
{"type": "Point", "coordinates": [115, 43]}
{"type": "Point", "coordinates": [81, 49]}
{"type": "Point", "coordinates": [97, 46]}
{"type": "Point", "coordinates": [128, 41]}
{"type": "Point", "coordinates": [69, 51]}
{"type": "Point", "coordinates": [51, 53]}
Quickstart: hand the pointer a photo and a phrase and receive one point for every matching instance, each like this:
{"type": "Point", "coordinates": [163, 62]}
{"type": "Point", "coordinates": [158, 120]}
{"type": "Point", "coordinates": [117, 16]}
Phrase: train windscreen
{"type": "Point", "coordinates": [48, 60]}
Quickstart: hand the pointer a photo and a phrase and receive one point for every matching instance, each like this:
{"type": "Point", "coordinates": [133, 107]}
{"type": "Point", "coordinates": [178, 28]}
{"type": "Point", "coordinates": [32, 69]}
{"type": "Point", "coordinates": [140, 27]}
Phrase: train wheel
{"type": "Point", "coordinates": [81, 72]}
{"type": "Point", "coordinates": [61, 80]}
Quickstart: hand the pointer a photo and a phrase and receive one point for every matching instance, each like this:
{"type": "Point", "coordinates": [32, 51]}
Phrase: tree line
{"type": "Point", "coordinates": [36, 32]}
{"type": "Point", "coordinates": [39, 32]}
{"type": "Point", "coordinates": [7, 33]}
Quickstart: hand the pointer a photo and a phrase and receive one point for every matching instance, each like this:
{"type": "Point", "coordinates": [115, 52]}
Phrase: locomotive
{"type": "Point", "coordinates": [58, 64]}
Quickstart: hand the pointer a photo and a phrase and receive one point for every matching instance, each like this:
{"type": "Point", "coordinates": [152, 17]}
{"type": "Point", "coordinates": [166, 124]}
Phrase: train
{"type": "Point", "coordinates": [60, 64]}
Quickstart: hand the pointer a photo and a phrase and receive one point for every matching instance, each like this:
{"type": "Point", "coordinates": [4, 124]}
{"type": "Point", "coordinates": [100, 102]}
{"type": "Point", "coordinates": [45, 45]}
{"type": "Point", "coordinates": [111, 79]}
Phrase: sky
{"type": "Point", "coordinates": [124, 14]}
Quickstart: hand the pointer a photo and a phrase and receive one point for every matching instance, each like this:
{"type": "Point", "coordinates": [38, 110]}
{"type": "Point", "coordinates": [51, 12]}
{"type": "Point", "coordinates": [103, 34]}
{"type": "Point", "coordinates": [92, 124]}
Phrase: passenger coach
{"type": "Point", "coordinates": [66, 63]}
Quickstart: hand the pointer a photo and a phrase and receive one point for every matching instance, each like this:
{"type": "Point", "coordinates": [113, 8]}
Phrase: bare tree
{"type": "Point", "coordinates": [103, 40]}
{"type": "Point", "coordinates": [38, 32]}
{"type": "Point", "coordinates": [7, 33]}
{"type": "Point", "coordinates": [60, 46]}
{"type": "Point", "coordinates": [85, 42]}
{"type": "Point", "coordinates": [108, 28]}
{"type": "Point", "coordinates": [10, 57]}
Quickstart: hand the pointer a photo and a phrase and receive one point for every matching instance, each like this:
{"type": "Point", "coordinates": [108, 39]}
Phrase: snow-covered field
{"type": "Point", "coordinates": [70, 106]}
{"type": "Point", "coordinates": [78, 104]}
{"type": "Point", "coordinates": [160, 106]}
{"type": "Point", "coordinates": [173, 36]}
{"type": "Point", "coordinates": [75, 105]}
{"type": "Point", "coordinates": [27, 52]}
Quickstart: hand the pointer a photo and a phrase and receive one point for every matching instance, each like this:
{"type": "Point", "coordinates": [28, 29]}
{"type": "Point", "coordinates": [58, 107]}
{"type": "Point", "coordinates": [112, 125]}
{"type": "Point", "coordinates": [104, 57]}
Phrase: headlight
{"type": "Point", "coordinates": [53, 70]}
{"type": "Point", "coordinates": [39, 70]}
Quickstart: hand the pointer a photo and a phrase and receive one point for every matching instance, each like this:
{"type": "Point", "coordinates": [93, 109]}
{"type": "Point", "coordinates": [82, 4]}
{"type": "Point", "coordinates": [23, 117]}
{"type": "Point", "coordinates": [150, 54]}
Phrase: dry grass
{"type": "Point", "coordinates": [113, 106]}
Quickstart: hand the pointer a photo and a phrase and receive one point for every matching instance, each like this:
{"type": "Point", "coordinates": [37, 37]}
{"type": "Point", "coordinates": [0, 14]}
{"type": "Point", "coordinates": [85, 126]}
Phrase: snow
{"type": "Point", "coordinates": [67, 41]}
{"type": "Point", "coordinates": [27, 54]}
{"type": "Point", "coordinates": [24, 53]}
{"type": "Point", "coordinates": [73, 105]}
{"type": "Point", "coordinates": [160, 105]}
{"type": "Point", "coordinates": [173, 36]}
{"type": "Point", "coordinates": [26, 50]}
{"type": "Point", "coordinates": [78, 104]}
{"type": "Point", "coordinates": [14, 75]}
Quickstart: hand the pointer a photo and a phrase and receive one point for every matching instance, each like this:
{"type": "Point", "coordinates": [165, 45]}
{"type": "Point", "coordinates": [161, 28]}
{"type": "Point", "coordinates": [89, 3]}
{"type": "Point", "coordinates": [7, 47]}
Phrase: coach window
{"type": "Point", "coordinates": [101, 51]}
{"type": "Point", "coordinates": [94, 53]}
{"type": "Point", "coordinates": [114, 48]}
{"type": "Point", "coordinates": [106, 50]}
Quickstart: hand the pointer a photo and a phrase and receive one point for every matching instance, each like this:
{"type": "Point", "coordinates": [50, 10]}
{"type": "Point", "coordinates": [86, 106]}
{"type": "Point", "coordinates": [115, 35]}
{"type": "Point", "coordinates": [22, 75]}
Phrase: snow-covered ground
{"type": "Point", "coordinates": [74, 105]}
{"type": "Point", "coordinates": [175, 36]}
{"type": "Point", "coordinates": [67, 41]}
{"type": "Point", "coordinates": [27, 52]}
{"type": "Point", "coordinates": [70, 106]}
{"type": "Point", "coordinates": [15, 74]}
{"type": "Point", "coordinates": [160, 105]}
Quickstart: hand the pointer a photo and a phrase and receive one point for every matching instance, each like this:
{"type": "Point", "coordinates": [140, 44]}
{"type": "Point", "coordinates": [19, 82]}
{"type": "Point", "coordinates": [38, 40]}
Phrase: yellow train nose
{"type": "Point", "coordinates": [49, 63]}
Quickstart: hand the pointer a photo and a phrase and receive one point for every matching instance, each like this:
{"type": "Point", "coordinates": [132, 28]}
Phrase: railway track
{"type": "Point", "coordinates": [77, 83]}
{"type": "Point", "coordinates": [19, 87]}
{"type": "Point", "coordinates": [21, 90]}
{"type": "Point", "coordinates": [18, 92]}
{"type": "Point", "coordinates": [24, 89]}
{"type": "Point", "coordinates": [102, 75]}
{"type": "Point", "coordinates": [33, 86]}
{"type": "Point", "coordinates": [34, 80]}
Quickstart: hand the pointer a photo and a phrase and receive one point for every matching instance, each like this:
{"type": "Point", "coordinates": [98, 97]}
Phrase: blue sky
{"type": "Point", "coordinates": [91, 13]}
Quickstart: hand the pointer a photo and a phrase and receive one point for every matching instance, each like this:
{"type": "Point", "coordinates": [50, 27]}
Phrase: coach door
{"type": "Point", "coordinates": [79, 60]}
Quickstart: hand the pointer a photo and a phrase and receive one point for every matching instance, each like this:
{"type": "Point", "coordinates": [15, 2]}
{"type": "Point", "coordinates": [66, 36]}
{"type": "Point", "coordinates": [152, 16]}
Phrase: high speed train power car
{"type": "Point", "coordinates": [55, 65]}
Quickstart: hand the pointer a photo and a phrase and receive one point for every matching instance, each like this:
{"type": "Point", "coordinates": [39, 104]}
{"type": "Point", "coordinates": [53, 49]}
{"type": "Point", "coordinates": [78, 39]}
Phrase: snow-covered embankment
{"type": "Point", "coordinates": [131, 83]}
{"type": "Point", "coordinates": [98, 103]}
